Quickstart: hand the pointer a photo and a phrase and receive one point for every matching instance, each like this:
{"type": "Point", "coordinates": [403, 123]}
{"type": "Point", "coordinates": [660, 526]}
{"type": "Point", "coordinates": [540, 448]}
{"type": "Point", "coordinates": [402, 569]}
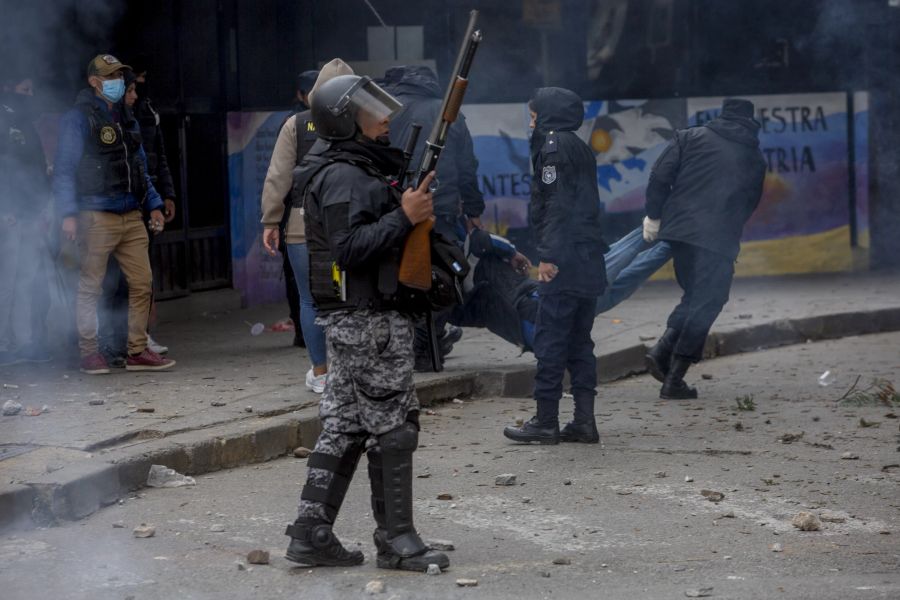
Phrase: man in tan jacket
{"type": "Point", "coordinates": [296, 137]}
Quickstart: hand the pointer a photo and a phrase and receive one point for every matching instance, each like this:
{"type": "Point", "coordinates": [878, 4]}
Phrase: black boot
{"type": "Point", "coordinates": [674, 387]}
{"type": "Point", "coordinates": [312, 540]}
{"type": "Point", "coordinates": [313, 543]}
{"type": "Point", "coordinates": [390, 474]}
{"type": "Point", "coordinates": [659, 356]}
{"type": "Point", "coordinates": [452, 334]}
{"type": "Point", "coordinates": [533, 431]}
{"type": "Point", "coordinates": [580, 432]}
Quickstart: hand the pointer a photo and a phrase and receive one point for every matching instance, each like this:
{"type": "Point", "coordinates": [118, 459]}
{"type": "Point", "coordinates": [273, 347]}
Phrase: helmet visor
{"type": "Point", "coordinates": [368, 96]}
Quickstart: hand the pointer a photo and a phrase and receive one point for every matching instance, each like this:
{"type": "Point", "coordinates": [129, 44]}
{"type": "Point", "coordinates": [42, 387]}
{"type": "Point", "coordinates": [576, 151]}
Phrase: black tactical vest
{"type": "Point", "coordinates": [111, 163]}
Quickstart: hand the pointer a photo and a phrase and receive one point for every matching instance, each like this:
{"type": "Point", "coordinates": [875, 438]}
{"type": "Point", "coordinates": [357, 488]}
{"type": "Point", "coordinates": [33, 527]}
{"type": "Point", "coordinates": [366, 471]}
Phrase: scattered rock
{"type": "Point", "coordinates": [567, 482]}
{"type": "Point", "coordinates": [97, 402]}
{"type": "Point", "coordinates": [118, 525]}
{"type": "Point", "coordinates": [505, 479]}
{"type": "Point", "coordinates": [217, 403]}
{"type": "Point", "coordinates": [726, 515]}
{"type": "Point", "coordinates": [217, 528]}
{"type": "Point", "coordinates": [526, 500]}
{"type": "Point", "coordinates": [161, 476]}
{"type": "Point", "coordinates": [790, 438]}
{"type": "Point", "coordinates": [679, 568]}
{"type": "Point", "coordinates": [144, 531]}
{"type": "Point", "coordinates": [706, 376]}
{"type": "Point", "coordinates": [31, 411]}
{"type": "Point", "coordinates": [445, 496]}
{"type": "Point", "coordinates": [744, 316]}
{"type": "Point", "coordinates": [688, 479]}
{"type": "Point", "coordinates": [248, 409]}
{"type": "Point", "coordinates": [849, 456]}
{"type": "Point", "coordinates": [776, 547]}
{"type": "Point", "coordinates": [442, 545]}
{"type": "Point", "coordinates": [545, 573]}
{"type": "Point", "coordinates": [738, 426]}
{"type": "Point", "coordinates": [11, 408]}
{"type": "Point", "coordinates": [806, 521]}
{"type": "Point", "coordinates": [660, 474]}
{"type": "Point", "coordinates": [376, 586]}
{"type": "Point", "coordinates": [888, 468]}
{"type": "Point", "coordinates": [258, 557]}
{"type": "Point", "coordinates": [433, 569]}
{"type": "Point", "coordinates": [241, 566]}
{"type": "Point", "coordinates": [864, 423]}
{"type": "Point", "coordinates": [646, 338]}
{"type": "Point", "coordinates": [146, 409]}
{"type": "Point", "coordinates": [699, 593]}
{"type": "Point", "coordinates": [423, 475]}
{"type": "Point", "coordinates": [562, 560]}
{"type": "Point", "coordinates": [301, 452]}
{"type": "Point", "coordinates": [458, 401]}
{"type": "Point", "coordinates": [712, 496]}
{"type": "Point", "coordinates": [467, 582]}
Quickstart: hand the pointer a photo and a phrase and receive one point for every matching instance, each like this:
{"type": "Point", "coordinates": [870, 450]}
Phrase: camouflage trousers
{"type": "Point", "coordinates": [369, 390]}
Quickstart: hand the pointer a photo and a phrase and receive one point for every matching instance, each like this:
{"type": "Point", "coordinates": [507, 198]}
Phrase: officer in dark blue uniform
{"type": "Point", "coordinates": [565, 219]}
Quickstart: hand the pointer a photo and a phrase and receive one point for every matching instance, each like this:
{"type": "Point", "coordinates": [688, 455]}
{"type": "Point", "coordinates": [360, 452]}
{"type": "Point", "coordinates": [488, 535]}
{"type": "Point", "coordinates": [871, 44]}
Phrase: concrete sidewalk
{"type": "Point", "coordinates": [234, 399]}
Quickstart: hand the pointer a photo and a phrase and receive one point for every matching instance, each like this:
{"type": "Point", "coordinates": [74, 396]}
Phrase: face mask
{"type": "Point", "coordinates": [113, 89]}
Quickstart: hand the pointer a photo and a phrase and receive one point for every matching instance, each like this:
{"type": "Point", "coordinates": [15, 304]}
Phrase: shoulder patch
{"type": "Point", "coordinates": [548, 174]}
{"type": "Point", "coordinates": [551, 143]}
{"type": "Point", "coordinates": [108, 135]}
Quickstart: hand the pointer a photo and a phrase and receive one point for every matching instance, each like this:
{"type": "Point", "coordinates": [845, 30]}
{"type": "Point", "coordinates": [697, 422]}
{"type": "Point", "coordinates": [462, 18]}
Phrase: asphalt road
{"type": "Point", "coordinates": [627, 518]}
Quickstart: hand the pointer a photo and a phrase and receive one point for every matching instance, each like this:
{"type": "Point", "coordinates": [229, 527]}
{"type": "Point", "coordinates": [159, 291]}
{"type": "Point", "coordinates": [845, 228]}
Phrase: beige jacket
{"type": "Point", "coordinates": [279, 179]}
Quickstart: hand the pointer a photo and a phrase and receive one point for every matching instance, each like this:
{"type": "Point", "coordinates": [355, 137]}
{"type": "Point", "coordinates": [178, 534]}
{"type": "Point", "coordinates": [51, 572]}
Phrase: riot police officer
{"type": "Point", "coordinates": [565, 218]}
{"type": "Point", "coordinates": [356, 224]}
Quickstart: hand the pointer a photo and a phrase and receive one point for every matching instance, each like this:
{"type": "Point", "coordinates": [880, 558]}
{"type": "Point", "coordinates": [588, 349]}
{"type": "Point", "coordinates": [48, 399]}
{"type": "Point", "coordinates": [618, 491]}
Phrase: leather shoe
{"type": "Point", "coordinates": [580, 432]}
{"type": "Point", "coordinates": [533, 431]}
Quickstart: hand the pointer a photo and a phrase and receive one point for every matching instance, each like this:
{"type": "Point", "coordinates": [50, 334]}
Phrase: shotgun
{"type": "Point", "coordinates": [415, 262]}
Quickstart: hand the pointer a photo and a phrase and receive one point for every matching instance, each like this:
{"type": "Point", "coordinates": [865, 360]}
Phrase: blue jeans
{"type": "Point", "coordinates": [313, 335]}
{"type": "Point", "coordinates": [629, 263]}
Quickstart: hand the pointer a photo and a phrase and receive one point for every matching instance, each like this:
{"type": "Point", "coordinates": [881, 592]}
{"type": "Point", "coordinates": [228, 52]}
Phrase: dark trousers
{"type": "Point", "coordinates": [562, 341]}
{"type": "Point", "coordinates": [705, 277]}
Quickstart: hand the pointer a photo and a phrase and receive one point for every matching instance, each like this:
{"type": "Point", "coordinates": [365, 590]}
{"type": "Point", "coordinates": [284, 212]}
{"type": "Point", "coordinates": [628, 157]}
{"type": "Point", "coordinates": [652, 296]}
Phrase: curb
{"type": "Point", "coordinates": [80, 489]}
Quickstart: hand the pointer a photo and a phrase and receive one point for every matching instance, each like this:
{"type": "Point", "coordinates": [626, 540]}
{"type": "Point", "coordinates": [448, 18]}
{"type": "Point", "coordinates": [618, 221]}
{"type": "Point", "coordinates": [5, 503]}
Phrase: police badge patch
{"type": "Point", "coordinates": [108, 135]}
{"type": "Point", "coordinates": [548, 174]}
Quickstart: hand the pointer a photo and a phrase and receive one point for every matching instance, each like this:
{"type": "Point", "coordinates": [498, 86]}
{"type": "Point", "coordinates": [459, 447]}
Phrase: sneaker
{"type": "Point", "coordinates": [316, 382]}
{"type": "Point", "coordinates": [155, 346]}
{"type": "Point", "coordinates": [148, 360]}
{"type": "Point", "coordinates": [33, 354]}
{"type": "Point", "coordinates": [94, 364]}
{"type": "Point", "coordinates": [8, 358]}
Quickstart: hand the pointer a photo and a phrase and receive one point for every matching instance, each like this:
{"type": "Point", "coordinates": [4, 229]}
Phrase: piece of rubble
{"type": "Point", "coordinates": [302, 452]}
{"type": "Point", "coordinates": [445, 496]}
{"type": "Point", "coordinates": [376, 586]}
{"type": "Point", "coordinates": [31, 411]}
{"type": "Point", "coordinates": [11, 408]}
{"type": "Point", "coordinates": [806, 521]}
{"type": "Point", "coordinates": [217, 403]}
{"type": "Point", "coordinates": [161, 476]}
{"type": "Point", "coordinates": [217, 528]}
{"type": "Point", "coordinates": [441, 545]}
{"type": "Point", "coordinates": [776, 547]}
{"type": "Point", "coordinates": [97, 402]}
{"type": "Point", "coordinates": [567, 482]}
{"type": "Point", "coordinates": [699, 593]}
{"type": "Point", "coordinates": [505, 479]}
{"type": "Point", "coordinates": [467, 582]}
{"type": "Point", "coordinates": [562, 560]}
{"type": "Point", "coordinates": [258, 557]}
{"type": "Point", "coordinates": [726, 515]}
{"type": "Point", "coordinates": [241, 566]}
{"type": "Point", "coordinates": [706, 376]}
{"type": "Point", "coordinates": [248, 409]}
{"type": "Point", "coordinates": [433, 569]}
{"type": "Point", "coordinates": [118, 525]}
{"type": "Point", "coordinates": [688, 479]}
{"type": "Point", "coordinates": [660, 474]}
{"type": "Point", "coordinates": [712, 495]}
{"type": "Point", "coordinates": [790, 438]}
{"type": "Point", "coordinates": [146, 409]}
{"type": "Point", "coordinates": [144, 531]}
{"type": "Point", "coordinates": [849, 456]}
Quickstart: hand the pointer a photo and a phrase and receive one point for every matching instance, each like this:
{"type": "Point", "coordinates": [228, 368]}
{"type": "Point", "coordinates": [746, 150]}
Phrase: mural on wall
{"type": "Point", "coordinates": [802, 225]}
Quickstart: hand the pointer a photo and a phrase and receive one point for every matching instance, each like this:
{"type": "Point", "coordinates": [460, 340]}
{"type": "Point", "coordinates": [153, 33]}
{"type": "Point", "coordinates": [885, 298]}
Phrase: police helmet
{"type": "Point", "coordinates": [337, 102]}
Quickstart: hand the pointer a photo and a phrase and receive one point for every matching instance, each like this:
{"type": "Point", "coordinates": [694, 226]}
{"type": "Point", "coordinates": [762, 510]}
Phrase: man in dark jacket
{"type": "Point", "coordinates": [565, 218]}
{"type": "Point", "coordinates": [356, 225]}
{"type": "Point", "coordinates": [24, 194]}
{"type": "Point", "coordinates": [702, 190]}
{"type": "Point", "coordinates": [458, 203]}
{"type": "Point", "coordinates": [101, 186]}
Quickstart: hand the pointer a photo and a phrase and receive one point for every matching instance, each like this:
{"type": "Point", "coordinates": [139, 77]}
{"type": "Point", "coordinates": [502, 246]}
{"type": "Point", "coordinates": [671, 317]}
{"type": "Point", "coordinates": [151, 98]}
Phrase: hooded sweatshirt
{"type": "Point", "coordinates": [707, 183]}
{"type": "Point", "coordinates": [279, 177]}
{"type": "Point", "coordinates": [565, 210]}
{"type": "Point", "coordinates": [418, 89]}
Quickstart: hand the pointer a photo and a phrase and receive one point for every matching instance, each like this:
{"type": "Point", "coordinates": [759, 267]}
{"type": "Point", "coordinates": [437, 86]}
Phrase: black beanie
{"type": "Point", "coordinates": [735, 107]}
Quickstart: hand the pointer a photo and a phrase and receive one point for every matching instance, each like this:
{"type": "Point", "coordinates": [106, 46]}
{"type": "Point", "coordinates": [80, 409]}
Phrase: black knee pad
{"type": "Point", "coordinates": [404, 438]}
